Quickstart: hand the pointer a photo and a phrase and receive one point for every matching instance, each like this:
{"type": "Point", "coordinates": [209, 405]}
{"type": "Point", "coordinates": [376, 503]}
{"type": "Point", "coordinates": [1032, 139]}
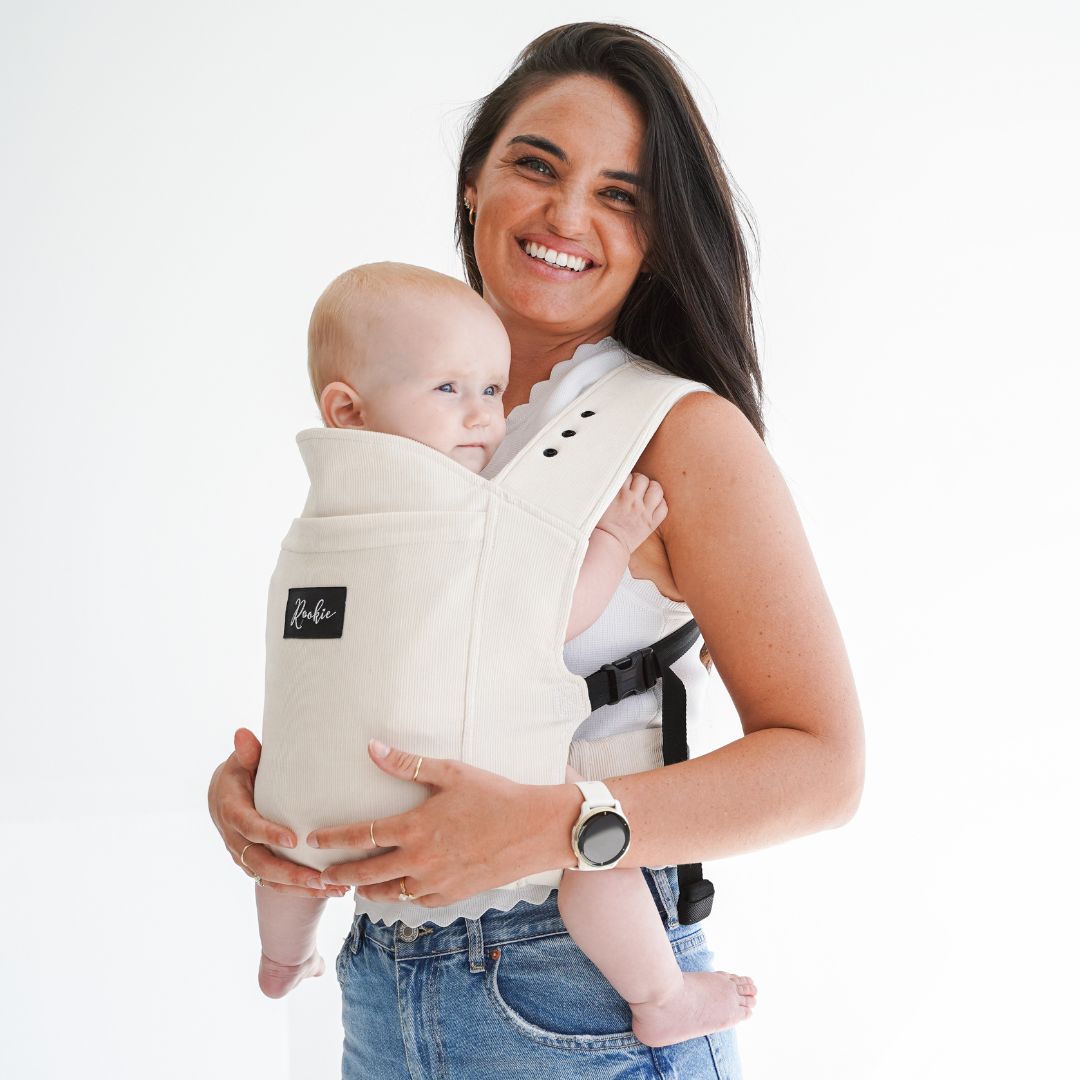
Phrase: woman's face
{"type": "Point", "coordinates": [561, 175]}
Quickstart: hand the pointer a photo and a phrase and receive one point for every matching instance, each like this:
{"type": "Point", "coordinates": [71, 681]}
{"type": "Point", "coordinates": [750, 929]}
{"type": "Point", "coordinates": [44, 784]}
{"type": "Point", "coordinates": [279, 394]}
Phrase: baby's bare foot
{"type": "Point", "coordinates": [708, 1001]}
{"type": "Point", "coordinates": [276, 980]}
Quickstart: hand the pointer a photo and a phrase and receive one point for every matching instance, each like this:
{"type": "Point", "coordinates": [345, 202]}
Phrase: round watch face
{"type": "Point", "coordinates": [604, 838]}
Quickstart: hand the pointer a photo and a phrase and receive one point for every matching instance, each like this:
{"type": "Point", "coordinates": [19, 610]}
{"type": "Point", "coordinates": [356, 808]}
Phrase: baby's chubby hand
{"type": "Point", "coordinates": [634, 513]}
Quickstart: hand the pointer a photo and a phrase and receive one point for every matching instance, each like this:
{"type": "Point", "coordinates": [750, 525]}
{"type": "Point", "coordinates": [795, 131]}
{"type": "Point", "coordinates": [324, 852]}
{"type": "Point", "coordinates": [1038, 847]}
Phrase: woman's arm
{"type": "Point", "coordinates": [741, 561]}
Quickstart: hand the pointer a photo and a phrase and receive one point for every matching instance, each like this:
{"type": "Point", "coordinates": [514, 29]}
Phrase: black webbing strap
{"type": "Point", "coordinates": [631, 675]}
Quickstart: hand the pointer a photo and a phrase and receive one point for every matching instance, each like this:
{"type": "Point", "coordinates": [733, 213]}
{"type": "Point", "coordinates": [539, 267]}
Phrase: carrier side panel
{"type": "Point", "coordinates": [331, 686]}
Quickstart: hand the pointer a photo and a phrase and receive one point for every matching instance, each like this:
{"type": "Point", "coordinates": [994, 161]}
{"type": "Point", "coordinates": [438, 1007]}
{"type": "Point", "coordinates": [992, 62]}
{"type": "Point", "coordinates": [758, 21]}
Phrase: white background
{"type": "Point", "coordinates": [178, 184]}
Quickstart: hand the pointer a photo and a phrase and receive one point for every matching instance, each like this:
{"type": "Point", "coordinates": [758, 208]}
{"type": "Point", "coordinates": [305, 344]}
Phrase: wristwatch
{"type": "Point", "coordinates": [601, 834]}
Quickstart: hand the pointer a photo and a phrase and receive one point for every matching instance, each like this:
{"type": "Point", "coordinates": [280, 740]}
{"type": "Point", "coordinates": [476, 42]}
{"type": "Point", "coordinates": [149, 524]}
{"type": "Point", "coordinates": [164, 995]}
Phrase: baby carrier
{"type": "Point", "coordinates": [419, 603]}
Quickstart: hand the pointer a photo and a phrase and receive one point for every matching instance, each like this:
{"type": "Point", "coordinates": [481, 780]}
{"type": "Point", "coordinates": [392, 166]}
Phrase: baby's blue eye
{"type": "Point", "coordinates": [451, 385]}
{"type": "Point", "coordinates": [497, 389]}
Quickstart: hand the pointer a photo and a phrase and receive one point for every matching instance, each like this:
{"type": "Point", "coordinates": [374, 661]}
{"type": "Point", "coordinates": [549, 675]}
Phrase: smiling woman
{"type": "Point", "coordinates": [596, 220]}
{"type": "Point", "coordinates": [545, 177]}
{"type": "Point", "coordinates": [594, 131]}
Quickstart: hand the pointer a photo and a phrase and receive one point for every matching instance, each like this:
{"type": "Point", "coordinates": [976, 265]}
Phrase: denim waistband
{"type": "Point", "coordinates": [494, 928]}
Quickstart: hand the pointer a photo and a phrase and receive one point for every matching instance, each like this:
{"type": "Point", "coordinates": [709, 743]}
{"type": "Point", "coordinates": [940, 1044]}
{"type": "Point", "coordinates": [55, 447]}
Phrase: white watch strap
{"type": "Point", "coordinates": [596, 795]}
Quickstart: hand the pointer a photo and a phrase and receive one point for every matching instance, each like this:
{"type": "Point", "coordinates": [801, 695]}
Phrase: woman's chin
{"type": "Point", "coordinates": [546, 305]}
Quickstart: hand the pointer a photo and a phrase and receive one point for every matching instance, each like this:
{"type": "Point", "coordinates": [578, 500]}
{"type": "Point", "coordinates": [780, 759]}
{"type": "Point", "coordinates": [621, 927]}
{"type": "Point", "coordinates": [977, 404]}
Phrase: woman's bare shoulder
{"type": "Point", "coordinates": [739, 556]}
{"type": "Point", "coordinates": [702, 433]}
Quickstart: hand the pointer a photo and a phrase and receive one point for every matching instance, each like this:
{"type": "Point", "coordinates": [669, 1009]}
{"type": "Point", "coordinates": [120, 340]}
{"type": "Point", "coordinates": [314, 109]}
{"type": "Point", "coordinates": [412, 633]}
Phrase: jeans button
{"type": "Point", "coordinates": [408, 933]}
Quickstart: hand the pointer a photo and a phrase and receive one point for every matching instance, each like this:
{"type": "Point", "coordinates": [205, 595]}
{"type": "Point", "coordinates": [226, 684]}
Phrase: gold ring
{"type": "Point", "coordinates": [404, 893]}
{"type": "Point", "coordinates": [416, 771]}
{"type": "Point", "coordinates": [371, 831]}
{"type": "Point", "coordinates": [243, 853]}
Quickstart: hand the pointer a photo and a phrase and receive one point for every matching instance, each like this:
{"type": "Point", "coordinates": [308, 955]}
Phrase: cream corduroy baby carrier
{"type": "Point", "coordinates": [421, 604]}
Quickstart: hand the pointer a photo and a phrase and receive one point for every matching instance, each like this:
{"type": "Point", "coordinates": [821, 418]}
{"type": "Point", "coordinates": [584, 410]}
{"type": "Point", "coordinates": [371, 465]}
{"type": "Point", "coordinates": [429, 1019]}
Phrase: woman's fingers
{"type": "Point", "coordinates": [470, 834]}
{"type": "Point", "coordinates": [248, 749]}
{"type": "Point", "coordinates": [390, 891]}
{"type": "Point", "coordinates": [231, 802]}
{"type": "Point", "coordinates": [246, 832]}
{"type": "Point", "coordinates": [390, 831]}
{"type": "Point", "coordinates": [281, 875]}
{"type": "Point", "coordinates": [250, 825]}
{"type": "Point", "coordinates": [387, 892]}
{"type": "Point", "coordinates": [434, 772]}
{"type": "Point", "coordinates": [364, 872]}
{"type": "Point", "coordinates": [356, 835]}
{"type": "Point", "coordinates": [296, 890]}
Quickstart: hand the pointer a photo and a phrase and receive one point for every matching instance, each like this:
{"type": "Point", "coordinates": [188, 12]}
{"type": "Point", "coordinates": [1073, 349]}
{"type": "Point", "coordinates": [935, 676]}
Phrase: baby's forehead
{"type": "Point", "coordinates": [452, 359]}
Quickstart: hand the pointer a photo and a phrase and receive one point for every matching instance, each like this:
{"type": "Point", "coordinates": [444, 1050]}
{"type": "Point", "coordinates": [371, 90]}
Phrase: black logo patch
{"type": "Point", "coordinates": [315, 613]}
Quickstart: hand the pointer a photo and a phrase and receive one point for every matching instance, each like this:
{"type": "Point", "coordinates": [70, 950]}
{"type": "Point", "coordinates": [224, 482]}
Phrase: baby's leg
{"type": "Point", "coordinates": [287, 926]}
{"type": "Point", "coordinates": [612, 918]}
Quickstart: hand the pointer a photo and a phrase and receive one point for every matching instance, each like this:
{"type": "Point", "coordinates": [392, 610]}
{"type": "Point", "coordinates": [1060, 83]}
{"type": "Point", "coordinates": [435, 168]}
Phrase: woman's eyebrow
{"type": "Point", "coordinates": [549, 147]}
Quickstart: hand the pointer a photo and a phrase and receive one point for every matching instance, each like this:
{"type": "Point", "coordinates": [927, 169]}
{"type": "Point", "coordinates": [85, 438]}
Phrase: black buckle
{"type": "Point", "coordinates": [695, 901]}
{"type": "Point", "coordinates": [632, 674]}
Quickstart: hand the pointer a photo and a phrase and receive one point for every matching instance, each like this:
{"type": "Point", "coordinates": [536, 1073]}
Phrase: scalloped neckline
{"type": "Point", "coordinates": [542, 388]}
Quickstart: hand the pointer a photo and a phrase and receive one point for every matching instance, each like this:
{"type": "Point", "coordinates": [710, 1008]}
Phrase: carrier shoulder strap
{"type": "Point", "coordinates": [574, 465]}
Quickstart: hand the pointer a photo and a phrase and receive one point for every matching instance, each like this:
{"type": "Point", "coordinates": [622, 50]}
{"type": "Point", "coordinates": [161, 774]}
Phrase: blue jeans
{"type": "Point", "coordinates": [508, 996]}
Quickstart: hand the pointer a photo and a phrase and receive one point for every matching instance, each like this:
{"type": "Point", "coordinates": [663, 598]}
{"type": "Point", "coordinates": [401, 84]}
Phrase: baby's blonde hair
{"type": "Point", "coordinates": [347, 307]}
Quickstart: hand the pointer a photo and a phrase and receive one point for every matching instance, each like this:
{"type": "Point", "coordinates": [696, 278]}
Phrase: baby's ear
{"type": "Point", "coordinates": [341, 406]}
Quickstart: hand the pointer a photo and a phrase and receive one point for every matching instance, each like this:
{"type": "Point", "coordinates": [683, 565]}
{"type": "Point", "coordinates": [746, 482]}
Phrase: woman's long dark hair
{"type": "Point", "coordinates": [692, 315]}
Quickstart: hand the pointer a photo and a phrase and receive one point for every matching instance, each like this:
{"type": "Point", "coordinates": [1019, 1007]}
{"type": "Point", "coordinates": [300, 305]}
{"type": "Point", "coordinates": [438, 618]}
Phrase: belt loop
{"type": "Point", "coordinates": [357, 933]}
{"type": "Point", "coordinates": [476, 945]}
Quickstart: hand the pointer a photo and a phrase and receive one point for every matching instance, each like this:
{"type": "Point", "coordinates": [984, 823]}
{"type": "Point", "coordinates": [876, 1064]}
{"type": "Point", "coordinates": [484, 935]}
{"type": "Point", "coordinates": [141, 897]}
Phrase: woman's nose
{"type": "Point", "coordinates": [568, 211]}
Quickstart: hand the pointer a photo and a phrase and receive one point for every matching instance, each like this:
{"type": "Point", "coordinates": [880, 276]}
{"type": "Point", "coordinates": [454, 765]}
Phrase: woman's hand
{"type": "Point", "coordinates": [474, 832]}
{"type": "Point", "coordinates": [232, 808]}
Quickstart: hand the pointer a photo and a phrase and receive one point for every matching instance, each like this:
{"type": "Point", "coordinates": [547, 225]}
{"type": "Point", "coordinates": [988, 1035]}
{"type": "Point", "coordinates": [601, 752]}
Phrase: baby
{"type": "Point", "coordinates": [406, 351]}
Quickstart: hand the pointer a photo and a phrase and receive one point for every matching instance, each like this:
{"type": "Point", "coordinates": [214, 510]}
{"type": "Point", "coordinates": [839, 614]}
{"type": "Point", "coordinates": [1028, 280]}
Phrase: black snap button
{"type": "Point", "coordinates": [567, 434]}
{"type": "Point", "coordinates": [549, 452]}
{"type": "Point", "coordinates": [588, 412]}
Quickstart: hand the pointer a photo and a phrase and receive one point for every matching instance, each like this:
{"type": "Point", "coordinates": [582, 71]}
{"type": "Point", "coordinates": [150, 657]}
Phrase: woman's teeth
{"type": "Point", "coordinates": [556, 258]}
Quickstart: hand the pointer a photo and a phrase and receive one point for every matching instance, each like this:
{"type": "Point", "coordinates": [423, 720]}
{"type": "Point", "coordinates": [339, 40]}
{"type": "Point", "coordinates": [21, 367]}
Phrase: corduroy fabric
{"type": "Point", "coordinates": [459, 590]}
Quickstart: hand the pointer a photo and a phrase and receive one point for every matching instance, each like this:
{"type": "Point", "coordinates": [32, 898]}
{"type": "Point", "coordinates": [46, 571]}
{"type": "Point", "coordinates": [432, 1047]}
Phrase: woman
{"type": "Point", "coordinates": [593, 147]}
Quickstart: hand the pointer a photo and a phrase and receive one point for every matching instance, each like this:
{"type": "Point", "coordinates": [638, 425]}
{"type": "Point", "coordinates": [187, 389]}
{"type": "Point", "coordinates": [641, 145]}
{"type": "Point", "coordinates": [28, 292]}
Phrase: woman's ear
{"type": "Point", "coordinates": [341, 406]}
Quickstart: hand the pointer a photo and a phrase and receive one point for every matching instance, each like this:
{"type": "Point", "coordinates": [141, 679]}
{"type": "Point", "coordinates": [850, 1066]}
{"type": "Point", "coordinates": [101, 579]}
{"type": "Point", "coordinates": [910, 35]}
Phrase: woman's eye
{"type": "Point", "coordinates": [623, 196]}
{"type": "Point", "coordinates": [529, 162]}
